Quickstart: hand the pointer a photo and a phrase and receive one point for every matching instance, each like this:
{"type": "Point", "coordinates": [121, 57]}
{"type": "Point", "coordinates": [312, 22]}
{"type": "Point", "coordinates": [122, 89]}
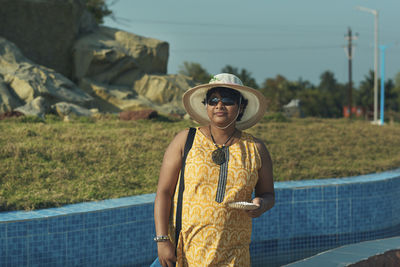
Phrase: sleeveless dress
{"type": "Point", "coordinates": [212, 233]}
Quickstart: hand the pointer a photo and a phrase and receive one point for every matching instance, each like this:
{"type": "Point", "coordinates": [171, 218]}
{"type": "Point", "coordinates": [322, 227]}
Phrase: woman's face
{"type": "Point", "coordinates": [221, 110]}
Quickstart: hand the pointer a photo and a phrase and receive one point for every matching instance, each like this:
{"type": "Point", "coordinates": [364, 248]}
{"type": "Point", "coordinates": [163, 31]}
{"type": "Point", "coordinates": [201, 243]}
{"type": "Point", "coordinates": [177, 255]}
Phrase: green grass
{"type": "Point", "coordinates": [52, 163]}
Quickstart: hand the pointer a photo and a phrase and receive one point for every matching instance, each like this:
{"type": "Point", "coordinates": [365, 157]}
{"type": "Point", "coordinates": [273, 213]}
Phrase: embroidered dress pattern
{"type": "Point", "coordinates": [214, 234]}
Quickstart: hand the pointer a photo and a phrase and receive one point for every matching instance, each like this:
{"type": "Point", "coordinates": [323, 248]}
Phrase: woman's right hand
{"type": "Point", "coordinates": [166, 253]}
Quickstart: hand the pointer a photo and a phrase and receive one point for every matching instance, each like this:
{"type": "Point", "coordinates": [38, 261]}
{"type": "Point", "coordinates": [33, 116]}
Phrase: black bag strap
{"type": "Point", "coordinates": [178, 221]}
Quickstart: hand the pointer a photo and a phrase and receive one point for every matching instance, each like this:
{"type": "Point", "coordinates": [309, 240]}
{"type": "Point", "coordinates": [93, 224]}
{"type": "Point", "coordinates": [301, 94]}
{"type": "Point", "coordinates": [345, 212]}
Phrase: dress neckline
{"type": "Point", "coordinates": [212, 143]}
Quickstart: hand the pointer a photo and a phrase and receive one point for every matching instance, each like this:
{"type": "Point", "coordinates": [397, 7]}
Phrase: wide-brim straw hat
{"type": "Point", "coordinates": [254, 111]}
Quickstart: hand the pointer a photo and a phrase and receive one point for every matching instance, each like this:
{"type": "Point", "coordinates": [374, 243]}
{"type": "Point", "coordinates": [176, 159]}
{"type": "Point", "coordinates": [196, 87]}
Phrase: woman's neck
{"type": "Point", "coordinates": [221, 135]}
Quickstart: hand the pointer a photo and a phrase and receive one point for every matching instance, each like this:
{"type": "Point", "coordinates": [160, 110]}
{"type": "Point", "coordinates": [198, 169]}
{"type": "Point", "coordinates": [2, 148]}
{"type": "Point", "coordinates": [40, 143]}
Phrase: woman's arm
{"type": "Point", "coordinates": [168, 178]}
{"type": "Point", "coordinates": [265, 195]}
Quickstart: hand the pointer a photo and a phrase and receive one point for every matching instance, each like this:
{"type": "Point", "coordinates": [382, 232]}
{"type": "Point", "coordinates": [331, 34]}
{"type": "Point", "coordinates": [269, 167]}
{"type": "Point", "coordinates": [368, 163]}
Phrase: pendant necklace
{"type": "Point", "coordinates": [218, 155]}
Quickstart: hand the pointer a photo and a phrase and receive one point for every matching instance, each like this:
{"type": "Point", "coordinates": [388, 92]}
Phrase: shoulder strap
{"type": "Point", "coordinates": [178, 221]}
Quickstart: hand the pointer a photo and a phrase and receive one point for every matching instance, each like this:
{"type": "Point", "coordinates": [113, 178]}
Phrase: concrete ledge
{"type": "Point", "coordinates": [350, 254]}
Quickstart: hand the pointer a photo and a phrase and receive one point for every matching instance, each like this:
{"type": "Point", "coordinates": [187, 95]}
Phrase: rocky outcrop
{"type": "Point", "coordinates": [27, 80]}
{"type": "Point", "coordinates": [160, 92]}
{"type": "Point", "coordinates": [7, 101]}
{"type": "Point", "coordinates": [64, 109]}
{"type": "Point", "coordinates": [37, 107]}
{"type": "Point", "coordinates": [65, 57]}
{"type": "Point", "coordinates": [116, 57]}
{"type": "Point", "coordinates": [45, 30]}
{"type": "Point", "coordinates": [165, 91]}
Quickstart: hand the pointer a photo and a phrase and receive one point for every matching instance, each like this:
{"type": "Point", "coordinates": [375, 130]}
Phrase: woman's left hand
{"type": "Point", "coordinates": [260, 210]}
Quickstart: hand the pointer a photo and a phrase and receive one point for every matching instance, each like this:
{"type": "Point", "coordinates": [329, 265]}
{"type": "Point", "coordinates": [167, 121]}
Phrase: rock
{"type": "Point", "coordinates": [162, 89]}
{"type": "Point", "coordinates": [10, 114]}
{"type": "Point", "coordinates": [37, 107]}
{"type": "Point", "coordinates": [138, 115]}
{"type": "Point", "coordinates": [8, 101]}
{"type": "Point", "coordinates": [68, 109]}
{"type": "Point", "coordinates": [28, 80]}
{"type": "Point", "coordinates": [45, 30]}
{"type": "Point", "coordinates": [165, 91]}
{"type": "Point", "coordinates": [117, 57]}
{"type": "Point", "coordinates": [113, 98]}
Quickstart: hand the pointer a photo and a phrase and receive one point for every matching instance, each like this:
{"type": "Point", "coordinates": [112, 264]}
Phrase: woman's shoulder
{"type": "Point", "coordinates": [252, 139]}
{"type": "Point", "coordinates": [249, 137]}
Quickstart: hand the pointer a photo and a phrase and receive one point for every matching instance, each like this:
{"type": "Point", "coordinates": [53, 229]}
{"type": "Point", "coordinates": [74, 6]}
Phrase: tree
{"type": "Point", "coordinates": [395, 97]}
{"type": "Point", "coordinates": [328, 82]}
{"type": "Point", "coordinates": [332, 96]}
{"type": "Point", "coordinates": [278, 92]}
{"type": "Point", "coordinates": [196, 71]}
{"type": "Point", "coordinates": [391, 96]}
{"type": "Point", "coordinates": [99, 9]}
{"type": "Point", "coordinates": [365, 93]}
{"type": "Point", "coordinates": [243, 75]}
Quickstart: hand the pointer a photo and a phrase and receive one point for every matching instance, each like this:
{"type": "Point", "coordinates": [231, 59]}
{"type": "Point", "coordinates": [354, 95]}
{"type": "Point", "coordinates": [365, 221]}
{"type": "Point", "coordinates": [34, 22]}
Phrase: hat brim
{"type": "Point", "coordinates": [255, 109]}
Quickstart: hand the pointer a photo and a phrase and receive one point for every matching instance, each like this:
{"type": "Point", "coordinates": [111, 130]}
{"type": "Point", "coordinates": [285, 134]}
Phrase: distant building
{"type": "Point", "coordinates": [293, 109]}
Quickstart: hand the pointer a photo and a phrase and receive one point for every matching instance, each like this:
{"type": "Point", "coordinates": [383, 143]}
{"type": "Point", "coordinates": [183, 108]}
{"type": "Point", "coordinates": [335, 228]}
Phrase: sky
{"type": "Point", "coordinates": [298, 39]}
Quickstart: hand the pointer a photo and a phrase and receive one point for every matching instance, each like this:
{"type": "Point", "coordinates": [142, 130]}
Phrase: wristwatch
{"type": "Point", "coordinates": [161, 238]}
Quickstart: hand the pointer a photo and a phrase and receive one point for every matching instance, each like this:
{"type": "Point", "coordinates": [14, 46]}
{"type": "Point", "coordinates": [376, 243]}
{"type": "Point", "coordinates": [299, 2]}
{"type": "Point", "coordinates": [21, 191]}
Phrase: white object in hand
{"type": "Point", "coordinates": [243, 205]}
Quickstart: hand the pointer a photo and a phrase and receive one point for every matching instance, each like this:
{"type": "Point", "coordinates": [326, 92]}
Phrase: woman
{"type": "Point", "coordinates": [224, 165]}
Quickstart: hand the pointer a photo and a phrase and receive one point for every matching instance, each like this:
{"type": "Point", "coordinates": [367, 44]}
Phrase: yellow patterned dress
{"type": "Point", "coordinates": [213, 234]}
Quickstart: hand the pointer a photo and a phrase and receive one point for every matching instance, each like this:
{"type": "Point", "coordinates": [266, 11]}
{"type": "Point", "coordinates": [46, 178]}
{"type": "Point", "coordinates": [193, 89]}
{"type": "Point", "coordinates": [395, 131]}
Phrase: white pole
{"type": "Point", "coordinates": [376, 77]}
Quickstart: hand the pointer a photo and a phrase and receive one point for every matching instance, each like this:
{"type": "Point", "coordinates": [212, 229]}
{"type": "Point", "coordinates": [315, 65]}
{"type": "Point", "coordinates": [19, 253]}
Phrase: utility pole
{"type": "Point", "coordinates": [349, 53]}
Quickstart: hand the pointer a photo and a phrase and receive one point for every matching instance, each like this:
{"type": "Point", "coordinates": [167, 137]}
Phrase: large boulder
{"type": "Point", "coordinates": [117, 57]}
{"type": "Point", "coordinates": [27, 80]}
{"type": "Point", "coordinates": [165, 91]}
{"type": "Point", "coordinates": [46, 30]}
{"type": "Point", "coordinates": [67, 109]}
{"type": "Point", "coordinates": [7, 100]}
{"type": "Point", "coordinates": [37, 107]}
{"type": "Point", "coordinates": [159, 92]}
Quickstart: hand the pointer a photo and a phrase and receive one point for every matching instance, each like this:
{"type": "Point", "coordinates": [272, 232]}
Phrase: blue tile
{"type": "Point", "coordinates": [344, 191]}
{"type": "Point", "coordinates": [38, 250]}
{"type": "Point", "coordinates": [284, 195]}
{"type": "Point", "coordinates": [344, 216]}
{"type": "Point", "coordinates": [299, 194]}
{"type": "Point", "coordinates": [92, 220]}
{"type": "Point", "coordinates": [3, 230]}
{"type": "Point", "coordinates": [300, 218]}
{"type": "Point", "coordinates": [58, 244]}
{"type": "Point", "coordinates": [3, 251]}
{"type": "Point", "coordinates": [331, 219]}
{"type": "Point", "coordinates": [58, 224]}
{"type": "Point", "coordinates": [17, 251]}
{"type": "Point", "coordinates": [285, 219]}
{"type": "Point", "coordinates": [17, 229]}
{"type": "Point", "coordinates": [330, 192]}
{"type": "Point", "coordinates": [82, 246]}
{"type": "Point", "coordinates": [315, 218]}
{"type": "Point", "coordinates": [38, 227]}
{"type": "Point", "coordinates": [314, 193]}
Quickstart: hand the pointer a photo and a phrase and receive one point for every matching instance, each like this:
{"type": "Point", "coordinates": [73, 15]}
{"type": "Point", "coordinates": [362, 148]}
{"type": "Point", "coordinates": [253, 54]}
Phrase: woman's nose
{"type": "Point", "coordinates": [220, 104]}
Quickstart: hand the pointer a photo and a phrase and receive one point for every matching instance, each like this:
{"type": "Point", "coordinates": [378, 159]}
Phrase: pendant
{"type": "Point", "coordinates": [218, 156]}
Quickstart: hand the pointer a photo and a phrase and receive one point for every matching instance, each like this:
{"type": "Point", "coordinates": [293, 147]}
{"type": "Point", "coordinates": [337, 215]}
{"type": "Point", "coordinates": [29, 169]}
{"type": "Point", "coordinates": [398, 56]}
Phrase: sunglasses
{"type": "Point", "coordinates": [227, 101]}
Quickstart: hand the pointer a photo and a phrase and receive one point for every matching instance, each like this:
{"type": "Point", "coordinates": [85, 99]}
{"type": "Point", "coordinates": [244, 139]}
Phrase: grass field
{"type": "Point", "coordinates": [53, 163]}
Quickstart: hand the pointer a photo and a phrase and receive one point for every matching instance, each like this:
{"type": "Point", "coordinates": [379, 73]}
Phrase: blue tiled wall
{"type": "Point", "coordinates": [309, 217]}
